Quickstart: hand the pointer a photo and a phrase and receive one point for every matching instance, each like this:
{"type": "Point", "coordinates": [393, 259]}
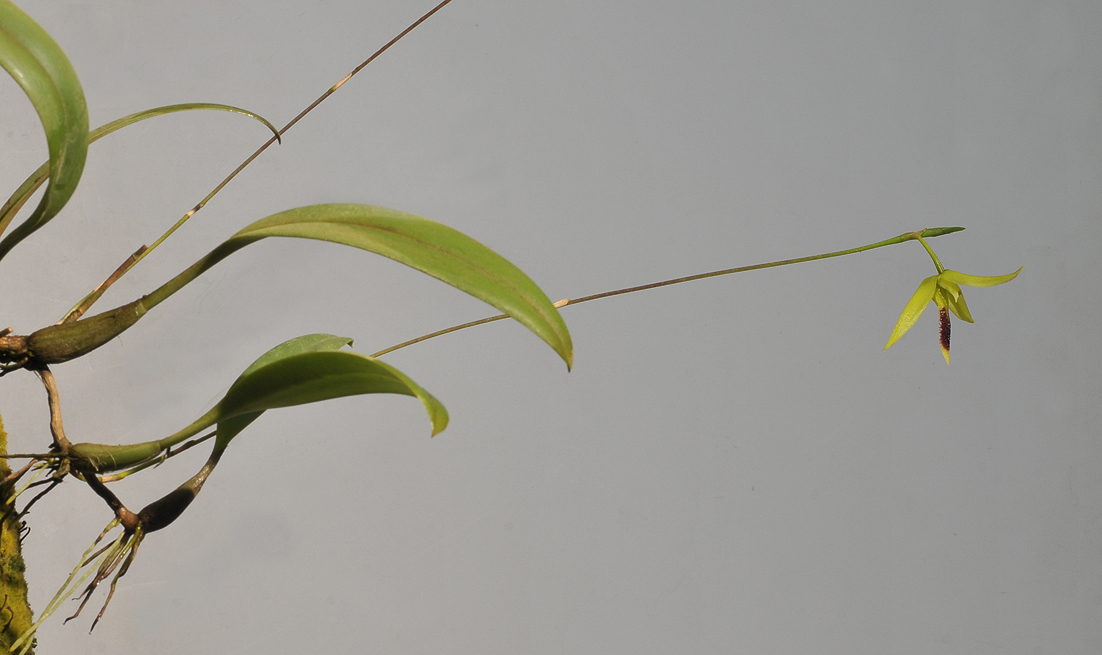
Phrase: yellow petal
{"type": "Point", "coordinates": [954, 299]}
{"type": "Point", "coordinates": [978, 280]}
{"type": "Point", "coordinates": [915, 306]}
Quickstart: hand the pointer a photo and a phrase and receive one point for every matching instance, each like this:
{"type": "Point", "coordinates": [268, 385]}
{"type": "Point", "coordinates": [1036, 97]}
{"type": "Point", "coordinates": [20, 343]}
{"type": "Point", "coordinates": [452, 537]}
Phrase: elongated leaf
{"type": "Point", "coordinates": [37, 178]}
{"type": "Point", "coordinates": [436, 249]}
{"type": "Point", "coordinates": [229, 428]}
{"type": "Point", "coordinates": [308, 343]}
{"type": "Point", "coordinates": [163, 511]}
{"type": "Point", "coordinates": [103, 458]}
{"type": "Point", "coordinates": [316, 376]}
{"type": "Point", "coordinates": [39, 66]}
{"type": "Point", "coordinates": [428, 246]}
{"type": "Point", "coordinates": [304, 370]}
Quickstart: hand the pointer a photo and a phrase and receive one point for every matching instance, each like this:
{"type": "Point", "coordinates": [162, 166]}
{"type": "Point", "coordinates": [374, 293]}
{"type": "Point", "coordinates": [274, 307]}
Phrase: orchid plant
{"type": "Point", "coordinates": [307, 369]}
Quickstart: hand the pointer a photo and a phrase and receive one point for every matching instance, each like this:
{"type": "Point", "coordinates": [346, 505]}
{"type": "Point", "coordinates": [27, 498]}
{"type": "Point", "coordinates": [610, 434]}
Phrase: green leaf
{"type": "Point", "coordinates": [229, 428]}
{"type": "Point", "coordinates": [436, 249]}
{"type": "Point", "coordinates": [303, 370]}
{"type": "Point", "coordinates": [427, 246]}
{"type": "Point", "coordinates": [312, 377]}
{"type": "Point", "coordinates": [308, 343]}
{"type": "Point", "coordinates": [36, 179]}
{"type": "Point", "coordinates": [39, 66]}
{"type": "Point", "coordinates": [103, 458]}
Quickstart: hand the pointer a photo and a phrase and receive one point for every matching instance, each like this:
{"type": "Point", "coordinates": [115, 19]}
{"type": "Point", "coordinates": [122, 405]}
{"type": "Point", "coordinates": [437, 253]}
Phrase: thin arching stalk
{"type": "Point", "coordinates": [902, 238]}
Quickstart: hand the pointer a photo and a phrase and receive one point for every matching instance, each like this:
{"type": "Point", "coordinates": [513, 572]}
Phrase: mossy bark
{"type": "Point", "coordinates": [15, 610]}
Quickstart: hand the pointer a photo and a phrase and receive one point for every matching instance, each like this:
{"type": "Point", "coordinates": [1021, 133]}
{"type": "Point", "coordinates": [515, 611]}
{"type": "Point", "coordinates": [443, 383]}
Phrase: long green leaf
{"type": "Point", "coordinates": [228, 428]}
{"type": "Point", "coordinates": [304, 370]}
{"type": "Point", "coordinates": [435, 249]}
{"type": "Point", "coordinates": [428, 246]}
{"type": "Point", "coordinates": [103, 458]}
{"type": "Point", "coordinates": [316, 376]}
{"type": "Point", "coordinates": [39, 66]}
{"type": "Point", "coordinates": [37, 178]}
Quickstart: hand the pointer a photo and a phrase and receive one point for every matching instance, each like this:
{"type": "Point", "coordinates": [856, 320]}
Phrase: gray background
{"type": "Point", "coordinates": [733, 466]}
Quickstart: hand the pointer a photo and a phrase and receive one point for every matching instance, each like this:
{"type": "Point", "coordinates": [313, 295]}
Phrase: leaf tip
{"type": "Point", "coordinates": [439, 422]}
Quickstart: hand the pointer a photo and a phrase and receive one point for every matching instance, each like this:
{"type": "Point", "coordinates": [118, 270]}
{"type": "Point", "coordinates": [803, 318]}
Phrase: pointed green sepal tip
{"type": "Point", "coordinates": [915, 306]}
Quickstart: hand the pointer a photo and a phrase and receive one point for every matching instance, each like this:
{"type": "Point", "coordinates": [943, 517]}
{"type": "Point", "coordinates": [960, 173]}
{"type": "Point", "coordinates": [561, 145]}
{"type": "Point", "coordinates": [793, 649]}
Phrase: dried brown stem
{"type": "Point", "coordinates": [85, 304]}
{"type": "Point", "coordinates": [58, 430]}
{"type": "Point", "coordinates": [17, 474]}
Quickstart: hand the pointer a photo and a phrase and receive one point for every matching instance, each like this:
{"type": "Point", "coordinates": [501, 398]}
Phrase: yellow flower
{"type": "Point", "coordinates": [944, 290]}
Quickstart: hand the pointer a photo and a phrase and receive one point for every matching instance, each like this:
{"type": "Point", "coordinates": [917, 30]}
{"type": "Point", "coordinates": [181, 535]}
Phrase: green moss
{"type": "Point", "coordinates": [15, 611]}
